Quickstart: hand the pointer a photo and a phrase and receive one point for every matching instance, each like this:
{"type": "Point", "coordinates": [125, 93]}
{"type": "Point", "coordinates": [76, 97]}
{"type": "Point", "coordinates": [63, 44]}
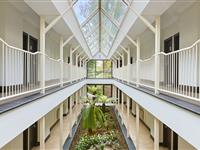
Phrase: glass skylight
{"type": "Point", "coordinates": [99, 22]}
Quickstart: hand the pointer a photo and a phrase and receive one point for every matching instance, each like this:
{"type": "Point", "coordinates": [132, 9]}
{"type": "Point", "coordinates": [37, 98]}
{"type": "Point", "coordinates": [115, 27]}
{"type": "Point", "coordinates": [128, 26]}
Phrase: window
{"type": "Point", "coordinates": [99, 69]}
{"type": "Point", "coordinates": [104, 89]}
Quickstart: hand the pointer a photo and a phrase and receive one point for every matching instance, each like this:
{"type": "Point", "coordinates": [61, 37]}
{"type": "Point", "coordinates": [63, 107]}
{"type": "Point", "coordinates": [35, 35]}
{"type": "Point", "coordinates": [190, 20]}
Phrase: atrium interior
{"type": "Point", "coordinates": [99, 74]}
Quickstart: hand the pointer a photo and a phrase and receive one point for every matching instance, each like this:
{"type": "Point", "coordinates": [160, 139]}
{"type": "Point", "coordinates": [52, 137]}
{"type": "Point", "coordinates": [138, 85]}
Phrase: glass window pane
{"type": "Point", "coordinates": [84, 8]}
{"type": "Point", "coordinates": [99, 69]}
{"type": "Point", "coordinates": [107, 90]}
{"type": "Point", "coordinates": [91, 68]}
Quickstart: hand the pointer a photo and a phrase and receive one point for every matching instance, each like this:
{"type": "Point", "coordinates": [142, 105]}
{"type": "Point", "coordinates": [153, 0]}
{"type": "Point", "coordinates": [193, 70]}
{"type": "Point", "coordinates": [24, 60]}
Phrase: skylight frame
{"type": "Point", "coordinates": [112, 31]}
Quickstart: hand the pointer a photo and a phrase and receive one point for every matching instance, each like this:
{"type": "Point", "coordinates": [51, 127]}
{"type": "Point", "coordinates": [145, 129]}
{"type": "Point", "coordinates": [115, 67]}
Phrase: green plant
{"type": "Point", "coordinates": [92, 115]}
{"type": "Point", "coordinates": [104, 99]}
{"type": "Point", "coordinates": [98, 141]}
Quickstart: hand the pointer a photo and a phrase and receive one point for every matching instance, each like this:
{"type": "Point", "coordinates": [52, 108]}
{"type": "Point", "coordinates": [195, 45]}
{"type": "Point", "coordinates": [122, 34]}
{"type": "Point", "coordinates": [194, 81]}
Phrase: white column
{"type": "Point", "coordinates": [118, 97]}
{"type": "Point", "coordinates": [42, 133]}
{"type": "Point", "coordinates": [128, 115]}
{"type": "Point", "coordinates": [61, 61]}
{"type": "Point", "coordinates": [122, 106]}
{"type": "Point", "coordinates": [157, 50]}
{"type": "Point", "coordinates": [128, 65]}
{"type": "Point", "coordinates": [123, 65]}
{"type": "Point", "coordinates": [138, 63]}
{"type": "Point", "coordinates": [137, 125]}
{"type": "Point", "coordinates": [156, 134]}
{"type": "Point", "coordinates": [70, 113]}
{"type": "Point", "coordinates": [70, 64]}
{"type": "Point", "coordinates": [77, 72]}
{"type": "Point", "coordinates": [61, 126]}
{"type": "Point", "coordinates": [42, 49]}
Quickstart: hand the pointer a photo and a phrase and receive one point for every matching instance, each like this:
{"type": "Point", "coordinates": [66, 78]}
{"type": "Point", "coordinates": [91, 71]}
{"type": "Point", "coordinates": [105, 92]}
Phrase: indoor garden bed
{"type": "Point", "coordinates": [104, 137]}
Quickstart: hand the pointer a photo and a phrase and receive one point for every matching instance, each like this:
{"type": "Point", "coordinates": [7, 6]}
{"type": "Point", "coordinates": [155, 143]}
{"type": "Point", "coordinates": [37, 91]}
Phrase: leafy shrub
{"type": "Point", "coordinates": [98, 141]}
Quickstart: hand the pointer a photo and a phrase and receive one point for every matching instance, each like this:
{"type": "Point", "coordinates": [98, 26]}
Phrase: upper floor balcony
{"type": "Point", "coordinates": [21, 71]}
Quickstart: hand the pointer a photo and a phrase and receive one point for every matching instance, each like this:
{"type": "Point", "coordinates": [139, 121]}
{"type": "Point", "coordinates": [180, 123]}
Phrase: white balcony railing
{"type": "Point", "coordinates": [20, 71]}
{"type": "Point", "coordinates": [52, 71]}
{"type": "Point", "coordinates": [147, 71]}
{"type": "Point", "coordinates": [179, 72]}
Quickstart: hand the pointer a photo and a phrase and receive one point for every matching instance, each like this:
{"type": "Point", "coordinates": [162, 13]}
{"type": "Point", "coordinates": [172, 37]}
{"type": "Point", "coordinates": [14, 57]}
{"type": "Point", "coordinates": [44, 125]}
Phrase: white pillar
{"type": "Point", "coordinates": [122, 101]}
{"type": "Point", "coordinates": [128, 115]}
{"type": "Point", "coordinates": [156, 134]}
{"type": "Point", "coordinates": [42, 133]}
{"type": "Point", "coordinates": [128, 65]}
{"type": "Point", "coordinates": [61, 126]}
{"type": "Point", "coordinates": [42, 49]}
{"type": "Point", "coordinates": [61, 61]}
{"type": "Point", "coordinates": [70, 113]}
{"type": "Point", "coordinates": [137, 125]}
{"type": "Point", "coordinates": [70, 64]}
{"type": "Point", "coordinates": [138, 63]}
{"type": "Point", "coordinates": [157, 50]}
{"type": "Point", "coordinates": [118, 97]}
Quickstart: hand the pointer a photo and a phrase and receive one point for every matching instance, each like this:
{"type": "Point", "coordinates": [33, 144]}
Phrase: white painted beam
{"type": "Point", "coordinates": [56, 20]}
{"type": "Point", "coordinates": [68, 40]}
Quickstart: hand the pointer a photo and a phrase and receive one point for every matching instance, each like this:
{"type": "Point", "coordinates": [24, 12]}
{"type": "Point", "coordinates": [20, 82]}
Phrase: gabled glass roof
{"type": "Point", "coordinates": [99, 21]}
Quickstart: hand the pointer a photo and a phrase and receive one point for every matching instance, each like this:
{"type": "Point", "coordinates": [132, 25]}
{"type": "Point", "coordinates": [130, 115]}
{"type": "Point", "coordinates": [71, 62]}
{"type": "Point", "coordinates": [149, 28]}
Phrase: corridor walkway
{"type": "Point", "coordinates": [53, 142]}
{"type": "Point", "coordinates": [145, 141]}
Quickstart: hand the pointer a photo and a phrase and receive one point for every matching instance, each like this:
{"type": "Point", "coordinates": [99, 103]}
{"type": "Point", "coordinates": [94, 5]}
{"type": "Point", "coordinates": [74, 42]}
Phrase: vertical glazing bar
{"type": "Point", "coordinates": [6, 69]}
{"type": "Point", "coordinates": [3, 70]}
{"type": "Point", "coordinates": [197, 80]}
{"type": "Point", "coordinates": [180, 72]}
{"type": "Point", "coordinates": [15, 64]}
{"type": "Point", "coordinates": [193, 71]}
{"type": "Point", "coordinates": [9, 71]}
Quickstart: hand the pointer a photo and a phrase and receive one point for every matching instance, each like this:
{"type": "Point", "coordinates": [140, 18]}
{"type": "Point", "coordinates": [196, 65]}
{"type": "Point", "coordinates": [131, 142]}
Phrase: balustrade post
{"type": "Point", "coordinates": [157, 50]}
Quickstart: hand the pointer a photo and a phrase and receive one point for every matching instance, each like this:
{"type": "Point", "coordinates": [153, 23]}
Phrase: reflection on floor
{"type": "Point", "coordinates": [53, 142]}
{"type": "Point", "coordinates": [145, 141]}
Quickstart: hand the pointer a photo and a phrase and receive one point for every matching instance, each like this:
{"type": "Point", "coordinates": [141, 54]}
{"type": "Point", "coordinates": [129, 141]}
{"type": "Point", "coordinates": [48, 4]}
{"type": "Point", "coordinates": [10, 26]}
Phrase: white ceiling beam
{"type": "Point", "coordinates": [119, 54]}
{"type": "Point", "coordinates": [124, 49]}
{"type": "Point", "coordinates": [75, 49]}
{"type": "Point", "coordinates": [50, 25]}
{"type": "Point", "coordinates": [144, 20]}
{"type": "Point", "coordinates": [68, 40]}
{"type": "Point", "coordinates": [132, 41]}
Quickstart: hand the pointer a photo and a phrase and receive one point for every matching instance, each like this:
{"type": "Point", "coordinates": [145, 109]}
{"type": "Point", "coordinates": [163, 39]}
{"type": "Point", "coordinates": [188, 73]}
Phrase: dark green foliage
{"type": "Point", "coordinates": [98, 142]}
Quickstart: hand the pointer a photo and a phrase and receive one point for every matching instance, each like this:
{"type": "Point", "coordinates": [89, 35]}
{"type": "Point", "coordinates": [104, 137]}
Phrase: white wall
{"type": "Point", "coordinates": [16, 19]}
{"type": "Point", "coordinates": [184, 145]}
{"type": "Point", "coordinates": [15, 144]}
{"type": "Point", "coordinates": [187, 23]}
{"type": "Point", "coordinates": [182, 18]}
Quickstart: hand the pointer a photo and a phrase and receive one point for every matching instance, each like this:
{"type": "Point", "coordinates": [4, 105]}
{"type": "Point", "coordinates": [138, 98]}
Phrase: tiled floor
{"type": "Point", "coordinates": [145, 141]}
{"type": "Point", "coordinates": [53, 142]}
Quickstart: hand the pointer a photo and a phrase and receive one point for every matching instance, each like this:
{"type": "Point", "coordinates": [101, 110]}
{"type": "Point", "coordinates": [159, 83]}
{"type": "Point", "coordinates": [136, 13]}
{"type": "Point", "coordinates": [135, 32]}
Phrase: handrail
{"type": "Point", "coordinates": [183, 49]}
{"type": "Point", "coordinates": [163, 53]}
{"type": "Point", "coordinates": [52, 58]}
{"type": "Point", "coordinates": [143, 60]}
{"type": "Point", "coordinates": [33, 53]}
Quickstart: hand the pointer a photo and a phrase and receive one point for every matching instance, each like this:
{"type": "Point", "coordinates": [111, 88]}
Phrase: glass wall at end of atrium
{"type": "Point", "coordinates": [99, 69]}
